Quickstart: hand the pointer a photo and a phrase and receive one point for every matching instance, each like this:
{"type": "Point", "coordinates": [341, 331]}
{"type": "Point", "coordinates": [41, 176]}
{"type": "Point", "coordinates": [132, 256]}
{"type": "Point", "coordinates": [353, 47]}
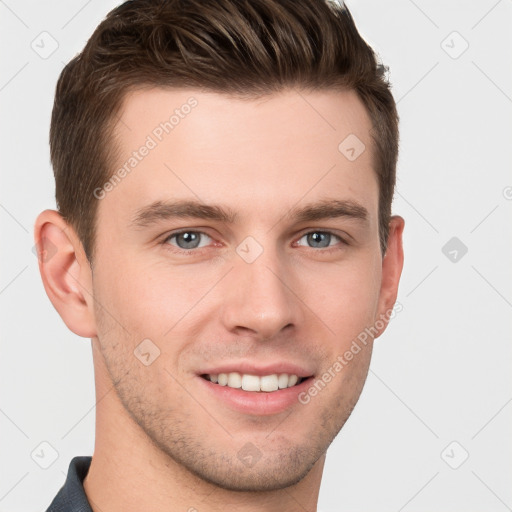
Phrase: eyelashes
{"type": "Point", "coordinates": [193, 241]}
{"type": "Point", "coordinates": [329, 234]}
{"type": "Point", "coordinates": [192, 237]}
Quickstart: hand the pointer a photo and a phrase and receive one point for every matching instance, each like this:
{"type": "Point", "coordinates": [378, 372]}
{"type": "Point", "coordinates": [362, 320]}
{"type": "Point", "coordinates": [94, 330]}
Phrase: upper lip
{"type": "Point", "coordinates": [245, 367]}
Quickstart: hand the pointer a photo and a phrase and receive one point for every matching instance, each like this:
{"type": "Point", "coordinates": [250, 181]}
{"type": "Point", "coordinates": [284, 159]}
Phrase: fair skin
{"type": "Point", "coordinates": [167, 438]}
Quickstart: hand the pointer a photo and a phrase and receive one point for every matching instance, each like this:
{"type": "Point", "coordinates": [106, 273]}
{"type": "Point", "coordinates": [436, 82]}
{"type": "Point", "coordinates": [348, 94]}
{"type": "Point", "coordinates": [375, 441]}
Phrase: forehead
{"type": "Point", "coordinates": [260, 154]}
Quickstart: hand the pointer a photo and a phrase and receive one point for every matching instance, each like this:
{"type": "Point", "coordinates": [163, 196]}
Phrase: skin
{"type": "Point", "coordinates": [162, 443]}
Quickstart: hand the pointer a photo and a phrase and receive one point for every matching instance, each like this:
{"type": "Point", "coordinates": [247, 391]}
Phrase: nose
{"type": "Point", "coordinates": [260, 299]}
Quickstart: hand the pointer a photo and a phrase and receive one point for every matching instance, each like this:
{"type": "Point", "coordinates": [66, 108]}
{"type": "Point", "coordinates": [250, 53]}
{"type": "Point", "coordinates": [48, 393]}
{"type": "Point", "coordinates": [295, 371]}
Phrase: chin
{"type": "Point", "coordinates": [264, 476]}
{"type": "Point", "coordinates": [271, 470]}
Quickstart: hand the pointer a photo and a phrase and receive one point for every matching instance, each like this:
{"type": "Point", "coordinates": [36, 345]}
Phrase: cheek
{"type": "Point", "coordinates": [349, 299]}
{"type": "Point", "coordinates": [152, 300]}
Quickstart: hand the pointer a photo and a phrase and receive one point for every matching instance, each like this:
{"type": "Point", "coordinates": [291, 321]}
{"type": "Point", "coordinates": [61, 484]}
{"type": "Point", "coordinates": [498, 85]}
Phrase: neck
{"type": "Point", "coordinates": [129, 473]}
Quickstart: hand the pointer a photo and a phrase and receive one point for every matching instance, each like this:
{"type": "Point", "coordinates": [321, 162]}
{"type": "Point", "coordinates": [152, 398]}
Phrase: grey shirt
{"type": "Point", "coordinates": [71, 496]}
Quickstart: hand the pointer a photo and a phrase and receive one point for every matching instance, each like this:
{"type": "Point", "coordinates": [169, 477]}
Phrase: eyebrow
{"type": "Point", "coordinates": [166, 210]}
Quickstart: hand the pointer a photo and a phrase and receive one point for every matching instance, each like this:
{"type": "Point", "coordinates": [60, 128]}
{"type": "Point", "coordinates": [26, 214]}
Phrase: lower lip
{"type": "Point", "coordinates": [260, 403]}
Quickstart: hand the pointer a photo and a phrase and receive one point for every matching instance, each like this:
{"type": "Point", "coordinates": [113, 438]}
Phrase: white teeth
{"type": "Point", "coordinates": [282, 381]}
{"type": "Point", "coordinates": [269, 383]}
{"type": "Point", "coordinates": [234, 380]}
{"type": "Point", "coordinates": [249, 382]}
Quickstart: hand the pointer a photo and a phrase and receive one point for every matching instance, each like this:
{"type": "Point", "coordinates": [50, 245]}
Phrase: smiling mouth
{"type": "Point", "coordinates": [255, 383]}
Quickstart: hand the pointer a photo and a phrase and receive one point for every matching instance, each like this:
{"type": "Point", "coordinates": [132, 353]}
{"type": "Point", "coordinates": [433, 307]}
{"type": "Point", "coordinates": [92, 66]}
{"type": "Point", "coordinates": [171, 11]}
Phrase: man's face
{"type": "Point", "coordinates": [271, 291]}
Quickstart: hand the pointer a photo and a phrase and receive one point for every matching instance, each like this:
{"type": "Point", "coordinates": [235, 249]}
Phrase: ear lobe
{"type": "Point", "coordinates": [65, 272]}
{"type": "Point", "coordinates": [392, 265]}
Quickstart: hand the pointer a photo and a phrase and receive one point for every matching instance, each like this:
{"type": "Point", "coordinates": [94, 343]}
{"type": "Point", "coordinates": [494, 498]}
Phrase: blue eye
{"type": "Point", "coordinates": [320, 239]}
{"type": "Point", "coordinates": [190, 240]}
{"type": "Point", "coordinates": [187, 239]}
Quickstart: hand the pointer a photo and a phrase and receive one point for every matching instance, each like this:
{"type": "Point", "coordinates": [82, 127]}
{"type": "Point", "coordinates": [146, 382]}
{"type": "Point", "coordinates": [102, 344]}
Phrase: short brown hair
{"type": "Point", "coordinates": [247, 48]}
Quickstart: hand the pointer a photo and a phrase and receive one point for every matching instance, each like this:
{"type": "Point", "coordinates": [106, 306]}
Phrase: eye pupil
{"type": "Point", "coordinates": [319, 239]}
{"type": "Point", "coordinates": [189, 238]}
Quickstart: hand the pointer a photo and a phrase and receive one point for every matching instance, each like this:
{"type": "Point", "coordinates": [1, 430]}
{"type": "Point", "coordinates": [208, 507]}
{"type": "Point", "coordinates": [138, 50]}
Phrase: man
{"type": "Point", "coordinates": [224, 177]}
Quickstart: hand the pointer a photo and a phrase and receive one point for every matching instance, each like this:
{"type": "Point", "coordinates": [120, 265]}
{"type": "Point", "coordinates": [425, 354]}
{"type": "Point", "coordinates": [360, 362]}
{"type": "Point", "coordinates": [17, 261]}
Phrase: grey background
{"type": "Point", "coordinates": [439, 385]}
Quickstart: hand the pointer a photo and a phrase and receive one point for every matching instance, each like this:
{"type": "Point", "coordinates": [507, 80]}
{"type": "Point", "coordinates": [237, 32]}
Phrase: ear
{"type": "Point", "coordinates": [66, 272]}
{"type": "Point", "coordinates": [392, 265]}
